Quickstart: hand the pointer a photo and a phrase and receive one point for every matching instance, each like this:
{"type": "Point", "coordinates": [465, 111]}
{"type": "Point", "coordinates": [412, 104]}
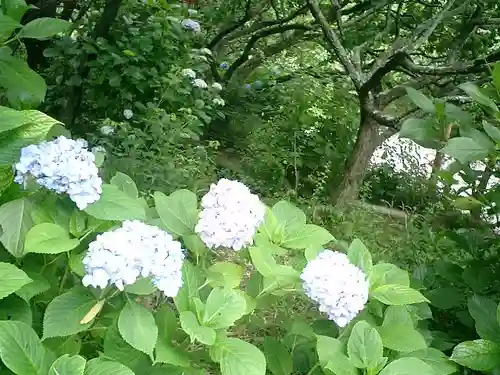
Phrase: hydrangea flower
{"type": "Point", "coordinates": [64, 166]}
{"type": "Point", "coordinates": [217, 86]}
{"type": "Point", "coordinates": [218, 101]}
{"type": "Point", "coordinates": [192, 25]}
{"type": "Point", "coordinates": [107, 130]}
{"type": "Point", "coordinates": [230, 215]}
{"type": "Point", "coordinates": [128, 114]}
{"type": "Point", "coordinates": [224, 65]}
{"type": "Point", "coordinates": [188, 73]}
{"type": "Point", "coordinates": [135, 249]}
{"type": "Point", "coordinates": [339, 287]}
{"type": "Point", "coordinates": [200, 83]}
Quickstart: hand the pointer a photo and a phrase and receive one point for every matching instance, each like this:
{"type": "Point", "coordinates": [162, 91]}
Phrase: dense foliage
{"type": "Point", "coordinates": [186, 188]}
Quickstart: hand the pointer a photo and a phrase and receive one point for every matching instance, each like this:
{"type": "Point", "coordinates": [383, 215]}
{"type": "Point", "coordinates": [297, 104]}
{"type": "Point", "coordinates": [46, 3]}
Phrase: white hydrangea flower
{"type": "Point", "coordinates": [192, 25]}
{"type": "Point", "coordinates": [107, 130]}
{"type": "Point", "coordinates": [188, 73]}
{"type": "Point", "coordinates": [64, 166]}
{"type": "Point", "coordinates": [219, 102]}
{"type": "Point", "coordinates": [217, 86]}
{"type": "Point", "coordinates": [135, 249]}
{"type": "Point", "coordinates": [192, 12]}
{"type": "Point", "coordinates": [339, 287]}
{"type": "Point", "coordinates": [230, 215]}
{"type": "Point", "coordinates": [200, 83]}
{"type": "Point", "coordinates": [128, 114]}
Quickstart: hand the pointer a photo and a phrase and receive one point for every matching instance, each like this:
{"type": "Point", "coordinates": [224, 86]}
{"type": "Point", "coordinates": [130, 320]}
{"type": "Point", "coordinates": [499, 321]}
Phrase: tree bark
{"type": "Point", "coordinates": [370, 136]}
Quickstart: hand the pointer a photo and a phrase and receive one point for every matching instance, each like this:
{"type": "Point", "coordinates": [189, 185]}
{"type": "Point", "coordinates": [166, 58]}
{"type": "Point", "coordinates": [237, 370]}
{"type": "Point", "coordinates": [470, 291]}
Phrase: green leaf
{"type": "Point", "coordinates": [98, 366]}
{"type": "Point", "coordinates": [125, 184]}
{"type": "Point", "coordinates": [15, 221]}
{"type": "Point", "coordinates": [263, 261]}
{"type": "Point", "coordinates": [464, 150]}
{"type": "Point", "coordinates": [23, 85]}
{"type": "Point", "coordinates": [7, 26]}
{"type": "Point", "coordinates": [178, 211]}
{"type": "Point", "coordinates": [364, 347]}
{"type": "Point", "coordinates": [167, 322]}
{"type": "Point", "coordinates": [223, 308]}
{"type": "Point", "coordinates": [11, 279]}
{"type": "Point", "coordinates": [290, 217]}
{"type": "Point", "coordinates": [167, 353]}
{"type": "Point", "coordinates": [306, 236]}
{"type": "Point", "coordinates": [68, 365]}
{"type": "Point", "coordinates": [495, 75]}
{"type": "Point", "coordinates": [278, 358]}
{"type": "Point", "coordinates": [341, 365]}
{"type": "Point", "coordinates": [190, 325]}
{"type": "Point", "coordinates": [401, 338]}
{"type": "Point", "coordinates": [466, 203]}
{"type": "Point", "coordinates": [492, 131]}
{"type": "Point", "coordinates": [484, 312]}
{"type": "Point", "coordinates": [387, 273]}
{"type": "Point", "coordinates": [21, 350]}
{"type": "Point", "coordinates": [15, 8]}
{"type": "Point", "coordinates": [239, 357]}
{"type": "Point", "coordinates": [65, 312]}
{"type": "Point", "coordinates": [420, 131]}
{"type": "Point", "coordinates": [477, 136]}
{"type": "Point", "coordinates": [436, 359]}
{"type": "Point", "coordinates": [359, 255]}
{"type": "Point", "coordinates": [478, 96]}
{"type": "Point", "coordinates": [142, 287]}
{"type": "Point", "coordinates": [225, 274]}
{"type": "Point", "coordinates": [446, 298]}
{"type": "Point", "coordinates": [194, 244]}
{"type": "Point", "coordinates": [420, 100]}
{"type": "Point", "coordinates": [15, 308]}
{"type": "Point", "coordinates": [192, 281]}
{"type": "Point", "coordinates": [12, 119]}
{"type": "Point", "coordinates": [64, 345]}
{"type": "Point", "coordinates": [137, 327]}
{"type": "Point", "coordinates": [76, 265]}
{"type": "Point", "coordinates": [397, 315]}
{"type": "Point", "coordinates": [77, 223]}
{"type": "Point", "coordinates": [114, 204]}
{"type": "Point", "coordinates": [43, 28]}
{"type": "Point", "coordinates": [327, 347]}
{"type": "Point", "coordinates": [407, 366]}
{"type": "Point", "coordinates": [395, 294]}
{"type": "Point", "coordinates": [479, 355]}
{"type": "Point", "coordinates": [48, 238]}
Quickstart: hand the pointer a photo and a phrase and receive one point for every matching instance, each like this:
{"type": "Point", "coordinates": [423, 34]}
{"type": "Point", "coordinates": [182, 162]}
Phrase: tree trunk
{"type": "Point", "coordinates": [369, 137]}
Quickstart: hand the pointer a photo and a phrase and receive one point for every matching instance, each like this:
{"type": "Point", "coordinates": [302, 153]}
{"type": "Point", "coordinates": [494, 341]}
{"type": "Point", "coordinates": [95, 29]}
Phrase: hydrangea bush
{"type": "Point", "coordinates": [167, 284]}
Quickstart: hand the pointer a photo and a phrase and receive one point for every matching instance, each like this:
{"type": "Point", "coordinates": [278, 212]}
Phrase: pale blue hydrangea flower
{"type": "Point", "coordinates": [135, 249]}
{"type": "Point", "coordinates": [188, 73]}
{"type": "Point", "coordinates": [128, 114]}
{"type": "Point", "coordinates": [63, 165]}
{"type": "Point", "coordinates": [219, 102]}
{"type": "Point", "coordinates": [107, 130]}
{"type": "Point", "coordinates": [339, 287]}
{"type": "Point", "coordinates": [200, 83]}
{"type": "Point", "coordinates": [217, 86]}
{"type": "Point", "coordinates": [224, 65]}
{"type": "Point", "coordinates": [230, 215]}
{"type": "Point", "coordinates": [192, 25]}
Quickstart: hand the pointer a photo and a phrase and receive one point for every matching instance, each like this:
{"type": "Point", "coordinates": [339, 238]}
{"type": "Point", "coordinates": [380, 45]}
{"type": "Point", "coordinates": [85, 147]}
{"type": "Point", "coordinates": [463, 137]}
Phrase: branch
{"type": "Point", "coordinates": [236, 25]}
{"type": "Point", "coordinates": [335, 43]}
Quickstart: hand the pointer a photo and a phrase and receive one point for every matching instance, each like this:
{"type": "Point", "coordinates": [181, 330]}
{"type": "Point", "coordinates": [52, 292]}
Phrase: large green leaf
{"type": "Point", "coordinates": [98, 366]}
{"type": "Point", "coordinates": [492, 131]}
{"type": "Point", "coordinates": [21, 350]}
{"type": "Point", "coordinates": [407, 366]}
{"type": "Point", "coordinates": [48, 238]}
{"type": "Point", "coordinates": [401, 338]}
{"type": "Point", "coordinates": [36, 286]}
{"type": "Point", "coordinates": [137, 327]}
{"type": "Point", "coordinates": [418, 130]}
{"type": "Point", "coordinates": [43, 28]}
{"type": "Point", "coordinates": [7, 26]}
{"type": "Point", "coordinates": [479, 355]}
{"type": "Point", "coordinates": [12, 119]}
{"type": "Point", "coordinates": [142, 287]}
{"type": "Point", "coordinates": [436, 359]}
{"type": "Point", "coordinates": [68, 365]}
{"type": "Point", "coordinates": [263, 261]}
{"type": "Point", "coordinates": [126, 184]}
{"type": "Point", "coordinates": [278, 358]}
{"type": "Point", "coordinates": [395, 294]}
{"type": "Point", "coordinates": [167, 353]}
{"type": "Point", "coordinates": [192, 281]}
{"type": "Point", "coordinates": [15, 9]}
{"type": "Point", "coordinates": [225, 274]}
{"type": "Point", "coordinates": [420, 100]}
{"type": "Point", "coordinates": [365, 347]}
{"type": "Point", "coordinates": [223, 308]}
{"type": "Point", "coordinates": [15, 308]}
{"type": "Point", "coordinates": [190, 325]}
{"type": "Point", "coordinates": [387, 273]}
{"type": "Point", "coordinates": [15, 221]}
{"type": "Point", "coordinates": [11, 279]}
{"type": "Point", "coordinates": [478, 95]}
{"type": "Point", "coordinates": [178, 211]}
{"type": "Point", "coordinates": [64, 313]}
{"type": "Point", "coordinates": [359, 255]}
{"type": "Point", "coordinates": [484, 312]}
{"type": "Point", "coordinates": [114, 204]}
{"type": "Point", "coordinates": [289, 216]}
{"type": "Point", "coordinates": [239, 357]}
{"type": "Point", "coordinates": [464, 149]}
{"type": "Point", "coordinates": [306, 236]}
{"type": "Point", "coordinates": [446, 298]}
{"type": "Point", "coordinates": [326, 347]}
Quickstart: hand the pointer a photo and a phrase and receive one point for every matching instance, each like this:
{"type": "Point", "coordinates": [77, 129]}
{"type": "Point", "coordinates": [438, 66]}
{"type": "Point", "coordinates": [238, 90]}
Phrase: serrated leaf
{"type": "Point", "coordinates": [178, 211]}
{"type": "Point", "coordinates": [289, 216]}
{"type": "Point", "coordinates": [478, 96]}
{"type": "Point", "coordinates": [142, 287]}
{"type": "Point", "coordinates": [446, 298]}
{"type": "Point", "coordinates": [48, 238]}
{"type": "Point", "coordinates": [341, 365]}
{"type": "Point", "coordinates": [137, 327]}
{"type": "Point", "coordinates": [484, 312]}
{"type": "Point", "coordinates": [479, 355]}
{"type": "Point", "coordinates": [239, 357]}
{"type": "Point", "coordinates": [364, 346]}
{"type": "Point", "coordinates": [387, 273]}
{"type": "Point", "coordinates": [114, 204]}
{"type": "Point", "coordinates": [7, 26]}
{"type": "Point", "coordinates": [68, 365]}
{"type": "Point", "coordinates": [11, 279]}
{"type": "Point", "coordinates": [36, 286]}
{"type": "Point", "coordinates": [263, 261]}
{"type": "Point", "coordinates": [225, 274]}
{"type": "Point", "coordinates": [65, 312]}
{"type": "Point", "coordinates": [15, 308]}
{"type": "Point", "coordinates": [401, 338]}
{"type": "Point", "coordinates": [190, 325]}
{"type": "Point", "coordinates": [98, 366]}
{"type": "Point", "coordinates": [192, 281]}
{"type": "Point", "coordinates": [407, 366]}
{"type": "Point", "coordinates": [15, 221]}
{"type": "Point", "coordinates": [394, 294]}
{"type": "Point", "coordinates": [420, 100]}
{"type": "Point", "coordinates": [167, 353]}
{"type": "Point", "coordinates": [436, 359]}
{"type": "Point", "coordinates": [223, 308]}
